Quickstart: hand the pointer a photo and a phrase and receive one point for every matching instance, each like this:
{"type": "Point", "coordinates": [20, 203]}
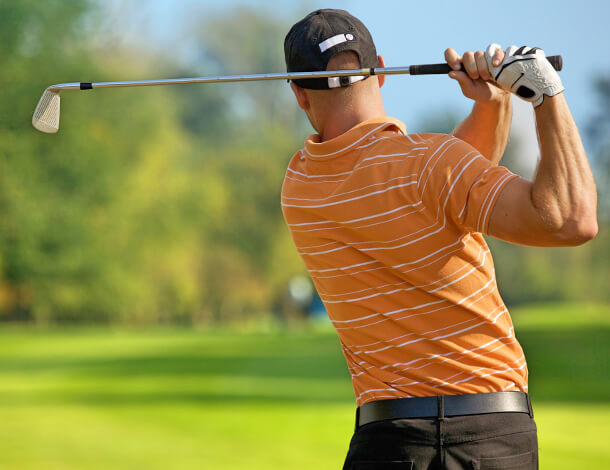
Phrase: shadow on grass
{"type": "Point", "coordinates": [251, 369]}
{"type": "Point", "coordinates": [313, 357]}
{"type": "Point", "coordinates": [566, 366]}
{"type": "Point", "coordinates": [157, 398]}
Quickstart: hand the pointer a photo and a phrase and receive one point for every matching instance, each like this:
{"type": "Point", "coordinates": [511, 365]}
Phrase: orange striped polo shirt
{"type": "Point", "coordinates": [389, 226]}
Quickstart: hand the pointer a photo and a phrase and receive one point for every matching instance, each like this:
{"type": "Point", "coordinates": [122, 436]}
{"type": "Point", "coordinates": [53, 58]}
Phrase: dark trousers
{"type": "Point", "coordinates": [477, 442]}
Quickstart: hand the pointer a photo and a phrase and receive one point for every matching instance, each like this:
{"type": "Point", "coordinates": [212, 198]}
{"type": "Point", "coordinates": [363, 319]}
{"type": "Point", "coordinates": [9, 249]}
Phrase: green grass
{"type": "Point", "coordinates": [185, 399]}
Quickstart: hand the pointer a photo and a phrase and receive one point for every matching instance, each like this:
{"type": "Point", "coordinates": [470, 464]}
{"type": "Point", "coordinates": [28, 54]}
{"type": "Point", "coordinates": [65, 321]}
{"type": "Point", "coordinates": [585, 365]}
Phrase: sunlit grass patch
{"type": "Point", "coordinates": [176, 398]}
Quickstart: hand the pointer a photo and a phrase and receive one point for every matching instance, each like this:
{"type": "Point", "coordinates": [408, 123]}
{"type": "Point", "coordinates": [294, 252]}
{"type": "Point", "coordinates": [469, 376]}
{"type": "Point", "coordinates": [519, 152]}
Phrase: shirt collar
{"type": "Point", "coordinates": [350, 139]}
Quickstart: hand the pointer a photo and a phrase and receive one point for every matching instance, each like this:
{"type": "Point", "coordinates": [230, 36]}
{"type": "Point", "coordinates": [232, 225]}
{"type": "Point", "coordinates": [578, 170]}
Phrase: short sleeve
{"type": "Point", "coordinates": [460, 186]}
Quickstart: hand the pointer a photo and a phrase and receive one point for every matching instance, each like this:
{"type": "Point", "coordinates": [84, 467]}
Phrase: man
{"type": "Point", "coordinates": [390, 227]}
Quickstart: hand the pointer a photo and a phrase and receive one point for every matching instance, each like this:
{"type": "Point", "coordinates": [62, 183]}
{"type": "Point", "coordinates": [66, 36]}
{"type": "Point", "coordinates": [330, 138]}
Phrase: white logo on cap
{"type": "Point", "coordinates": [338, 39]}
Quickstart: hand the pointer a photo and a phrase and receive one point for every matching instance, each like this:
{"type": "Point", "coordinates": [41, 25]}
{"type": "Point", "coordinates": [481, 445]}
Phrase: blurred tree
{"type": "Point", "coordinates": [262, 128]}
{"type": "Point", "coordinates": [598, 132]}
{"type": "Point", "coordinates": [31, 234]}
{"type": "Point", "coordinates": [254, 45]}
{"type": "Point", "coordinates": [155, 204]}
{"type": "Point", "coordinates": [68, 248]}
{"type": "Point", "coordinates": [531, 274]}
{"type": "Point", "coordinates": [203, 109]}
{"type": "Point", "coordinates": [438, 122]}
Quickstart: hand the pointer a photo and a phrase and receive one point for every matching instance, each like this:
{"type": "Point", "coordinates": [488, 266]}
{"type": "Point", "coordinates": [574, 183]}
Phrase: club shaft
{"type": "Point", "coordinates": [427, 69]}
{"type": "Point", "coordinates": [235, 78]}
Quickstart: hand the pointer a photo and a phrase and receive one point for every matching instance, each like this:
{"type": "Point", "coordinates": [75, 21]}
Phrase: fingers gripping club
{"type": "Point", "coordinates": [556, 62]}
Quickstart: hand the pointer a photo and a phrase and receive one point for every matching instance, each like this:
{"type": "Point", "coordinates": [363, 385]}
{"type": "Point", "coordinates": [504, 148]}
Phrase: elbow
{"type": "Point", "coordinates": [583, 224]}
{"type": "Point", "coordinates": [574, 226]}
{"type": "Point", "coordinates": [578, 232]}
{"type": "Point", "coordinates": [588, 231]}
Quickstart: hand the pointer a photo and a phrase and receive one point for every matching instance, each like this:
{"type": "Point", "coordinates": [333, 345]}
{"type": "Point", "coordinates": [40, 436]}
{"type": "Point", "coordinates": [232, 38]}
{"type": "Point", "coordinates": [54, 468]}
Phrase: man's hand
{"type": "Point", "coordinates": [524, 72]}
{"type": "Point", "coordinates": [475, 81]}
{"type": "Point", "coordinates": [486, 128]}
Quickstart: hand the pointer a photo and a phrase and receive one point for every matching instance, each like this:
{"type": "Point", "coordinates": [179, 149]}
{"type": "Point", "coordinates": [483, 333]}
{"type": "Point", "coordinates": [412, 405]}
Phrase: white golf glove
{"type": "Point", "coordinates": [525, 72]}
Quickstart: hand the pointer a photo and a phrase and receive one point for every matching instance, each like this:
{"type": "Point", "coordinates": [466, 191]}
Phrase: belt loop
{"type": "Point", "coordinates": [440, 401]}
{"type": "Point", "coordinates": [529, 406]}
{"type": "Point", "coordinates": [357, 418]}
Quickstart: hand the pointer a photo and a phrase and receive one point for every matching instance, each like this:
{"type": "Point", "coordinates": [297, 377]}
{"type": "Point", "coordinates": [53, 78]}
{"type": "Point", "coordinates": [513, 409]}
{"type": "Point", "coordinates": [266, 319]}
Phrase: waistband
{"type": "Point", "coordinates": [444, 406]}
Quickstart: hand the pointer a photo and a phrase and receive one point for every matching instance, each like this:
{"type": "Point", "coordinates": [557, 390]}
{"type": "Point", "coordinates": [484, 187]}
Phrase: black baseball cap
{"type": "Point", "coordinates": [313, 41]}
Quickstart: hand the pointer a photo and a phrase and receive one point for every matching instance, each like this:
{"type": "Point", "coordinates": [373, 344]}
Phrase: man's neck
{"type": "Point", "coordinates": [340, 124]}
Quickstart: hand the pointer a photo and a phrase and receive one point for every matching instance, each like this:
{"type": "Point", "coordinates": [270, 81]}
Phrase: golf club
{"type": "Point", "coordinates": [46, 114]}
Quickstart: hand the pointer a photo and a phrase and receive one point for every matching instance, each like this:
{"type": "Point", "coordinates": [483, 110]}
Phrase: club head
{"type": "Point", "coordinates": [46, 114]}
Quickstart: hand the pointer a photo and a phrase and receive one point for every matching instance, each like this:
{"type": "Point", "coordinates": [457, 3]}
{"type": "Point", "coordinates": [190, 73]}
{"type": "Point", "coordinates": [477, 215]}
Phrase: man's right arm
{"type": "Point", "coordinates": [559, 207]}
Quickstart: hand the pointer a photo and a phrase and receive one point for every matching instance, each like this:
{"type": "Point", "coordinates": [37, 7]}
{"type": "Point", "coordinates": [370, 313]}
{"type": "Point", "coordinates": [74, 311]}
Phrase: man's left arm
{"type": "Point", "coordinates": [487, 127]}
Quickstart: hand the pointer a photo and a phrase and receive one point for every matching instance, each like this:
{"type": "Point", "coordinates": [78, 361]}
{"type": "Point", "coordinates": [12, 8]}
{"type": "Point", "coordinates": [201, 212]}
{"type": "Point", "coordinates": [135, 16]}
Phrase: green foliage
{"type": "Point", "coordinates": [149, 205]}
{"type": "Point", "coordinates": [532, 274]}
{"type": "Point", "coordinates": [599, 133]}
{"type": "Point", "coordinates": [441, 122]}
{"type": "Point", "coordinates": [527, 274]}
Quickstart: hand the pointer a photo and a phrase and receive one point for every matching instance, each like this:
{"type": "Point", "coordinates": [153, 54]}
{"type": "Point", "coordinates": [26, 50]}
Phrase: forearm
{"type": "Point", "coordinates": [563, 191]}
{"type": "Point", "coordinates": [487, 127]}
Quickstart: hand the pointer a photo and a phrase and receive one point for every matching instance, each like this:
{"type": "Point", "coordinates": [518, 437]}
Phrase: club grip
{"type": "Point", "coordinates": [438, 69]}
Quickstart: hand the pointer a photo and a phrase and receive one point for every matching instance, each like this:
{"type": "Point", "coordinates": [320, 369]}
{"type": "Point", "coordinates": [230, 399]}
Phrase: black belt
{"type": "Point", "coordinates": [443, 406]}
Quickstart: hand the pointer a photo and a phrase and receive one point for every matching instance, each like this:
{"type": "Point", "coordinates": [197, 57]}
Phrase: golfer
{"type": "Point", "coordinates": [390, 227]}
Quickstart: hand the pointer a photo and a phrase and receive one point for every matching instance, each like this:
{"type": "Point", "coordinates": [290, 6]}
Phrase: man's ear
{"type": "Point", "coordinates": [381, 78]}
{"type": "Point", "coordinates": [301, 96]}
